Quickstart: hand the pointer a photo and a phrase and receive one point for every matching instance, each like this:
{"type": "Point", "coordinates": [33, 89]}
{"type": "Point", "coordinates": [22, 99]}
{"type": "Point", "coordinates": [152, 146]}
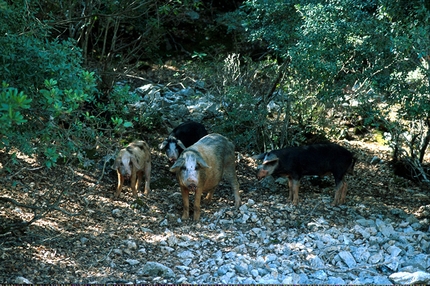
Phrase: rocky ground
{"type": "Point", "coordinates": [380, 236]}
{"type": "Point", "coordinates": [80, 234]}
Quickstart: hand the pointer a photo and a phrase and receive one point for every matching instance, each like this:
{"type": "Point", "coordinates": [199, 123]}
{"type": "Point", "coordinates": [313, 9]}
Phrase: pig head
{"type": "Point", "coordinates": [183, 136]}
{"type": "Point", "coordinates": [269, 165]}
{"type": "Point", "coordinates": [173, 147]}
{"type": "Point", "coordinates": [193, 171]}
{"type": "Point", "coordinates": [201, 167]}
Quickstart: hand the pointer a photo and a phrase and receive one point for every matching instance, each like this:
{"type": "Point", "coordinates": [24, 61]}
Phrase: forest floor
{"type": "Point", "coordinates": [80, 230]}
{"type": "Point", "coordinates": [74, 239]}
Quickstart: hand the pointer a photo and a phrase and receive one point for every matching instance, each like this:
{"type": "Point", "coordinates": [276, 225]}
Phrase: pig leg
{"type": "Point", "coordinates": [295, 191]}
{"type": "Point", "coordinates": [343, 192]}
{"type": "Point", "coordinates": [340, 193]}
{"type": "Point", "coordinates": [290, 190]}
{"type": "Point", "coordinates": [209, 196]}
{"type": "Point", "coordinates": [120, 183]}
{"type": "Point", "coordinates": [235, 187]}
{"type": "Point", "coordinates": [232, 180]}
{"type": "Point", "coordinates": [197, 199]}
{"type": "Point", "coordinates": [148, 178]}
{"type": "Point", "coordinates": [139, 179]}
{"type": "Point", "coordinates": [186, 202]}
{"type": "Point", "coordinates": [134, 182]}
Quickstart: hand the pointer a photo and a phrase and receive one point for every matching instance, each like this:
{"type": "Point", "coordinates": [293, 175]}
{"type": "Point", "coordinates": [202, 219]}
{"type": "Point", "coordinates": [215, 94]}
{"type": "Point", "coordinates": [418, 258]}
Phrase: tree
{"type": "Point", "coordinates": [349, 57]}
{"type": "Point", "coordinates": [44, 88]}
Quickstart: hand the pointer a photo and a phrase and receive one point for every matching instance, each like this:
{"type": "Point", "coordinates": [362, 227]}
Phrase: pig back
{"type": "Point", "coordinates": [189, 132]}
{"type": "Point", "coordinates": [218, 152]}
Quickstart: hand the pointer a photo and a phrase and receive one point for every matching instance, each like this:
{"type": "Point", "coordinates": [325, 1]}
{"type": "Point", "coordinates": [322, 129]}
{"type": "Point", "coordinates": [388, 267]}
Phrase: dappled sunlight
{"type": "Point", "coordinates": [50, 256]}
{"type": "Point", "coordinates": [103, 243]}
{"type": "Point", "coordinates": [25, 158]}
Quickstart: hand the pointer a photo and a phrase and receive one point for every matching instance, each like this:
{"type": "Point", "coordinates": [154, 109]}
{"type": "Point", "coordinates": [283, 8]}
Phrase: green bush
{"type": "Point", "coordinates": [29, 61]}
{"type": "Point", "coordinates": [49, 120]}
{"type": "Point", "coordinates": [11, 103]}
{"type": "Point", "coordinates": [348, 59]}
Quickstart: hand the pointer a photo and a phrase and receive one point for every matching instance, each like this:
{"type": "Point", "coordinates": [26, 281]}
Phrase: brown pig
{"type": "Point", "coordinates": [133, 162]}
{"type": "Point", "coordinates": [201, 167]}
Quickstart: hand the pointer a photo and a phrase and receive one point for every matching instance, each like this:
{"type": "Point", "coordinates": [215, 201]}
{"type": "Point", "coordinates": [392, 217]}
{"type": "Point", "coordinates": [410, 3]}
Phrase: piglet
{"type": "Point", "coordinates": [133, 162]}
{"type": "Point", "coordinates": [201, 167]}
{"type": "Point", "coordinates": [317, 159]}
{"type": "Point", "coordinates": [183, 136]}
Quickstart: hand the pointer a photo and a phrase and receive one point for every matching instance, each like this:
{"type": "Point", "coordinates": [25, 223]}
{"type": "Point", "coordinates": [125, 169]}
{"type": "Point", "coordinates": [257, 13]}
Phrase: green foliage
{"type": "Point", "coordinates": [11, 104]}
{"type": "Point", "coordinates": [127, 111]}
{"type": "Point", "coordinates": [240, 121]}
{"type": "Point", "coordinates": [149, 119]}
{"type": "Point", "coordinates": [11, 101]}
{"type": "Point", "coordinates": [236, 85]}
{"type": "Point", "coordinates": [29, 61]}
{"type": "Point", "coordinates": [348, 57]}
{"type": "Point", "coordinates": [53, 109]}
{"type": "Point", "coordinates": [46, 118]}
{"type": "Point", "coordinates": [64, 130]}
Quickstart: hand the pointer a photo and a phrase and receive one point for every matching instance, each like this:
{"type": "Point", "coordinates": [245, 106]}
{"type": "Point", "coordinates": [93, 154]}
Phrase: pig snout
{"type": "Point", "coordinates": [192, 187]}
{"type": "Point", "coordinates": [262, 173]}
{"type": "Point", "coordinates": [125, 173]}
{"type": "Point", "coordinates": [126, 176]}
{"type": "Point", "coordinates": [191, 184]}
{"type": "Point", "coordinates": [173, 156]}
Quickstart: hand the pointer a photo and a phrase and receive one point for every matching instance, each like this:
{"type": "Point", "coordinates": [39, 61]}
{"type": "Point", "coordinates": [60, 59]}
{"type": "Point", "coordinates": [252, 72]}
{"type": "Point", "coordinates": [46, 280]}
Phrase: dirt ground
{"type": "Point", "coordinates": [79, 223]}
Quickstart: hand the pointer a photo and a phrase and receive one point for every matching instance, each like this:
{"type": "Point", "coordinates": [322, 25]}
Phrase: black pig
{"type": "Point", "coordinates": [318, 159]}
{"type": "Point", "coordinates": [183, 136]}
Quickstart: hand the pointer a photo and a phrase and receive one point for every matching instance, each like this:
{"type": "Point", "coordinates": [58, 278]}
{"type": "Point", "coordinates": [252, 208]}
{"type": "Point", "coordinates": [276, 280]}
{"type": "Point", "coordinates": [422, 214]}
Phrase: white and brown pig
{"type": "Point", "coordinates": [201, 167]}
{"type": "Point", "coordinates": [132, 163]}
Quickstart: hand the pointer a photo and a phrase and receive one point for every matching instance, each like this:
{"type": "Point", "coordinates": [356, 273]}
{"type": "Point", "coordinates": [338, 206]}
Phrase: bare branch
{"type": "Point", "coordinates": [25, 168]}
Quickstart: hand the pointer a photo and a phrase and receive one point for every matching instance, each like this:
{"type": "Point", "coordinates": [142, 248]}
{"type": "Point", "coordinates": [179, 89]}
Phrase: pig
{"type": "Point", "coordinates": [133, 162]}
{"type": "Point", "coordinates": [201, 167]}
{"type": "Point", "coordinates": [183, 136]}
{"type": "Point", "coordinates": [318, 159]}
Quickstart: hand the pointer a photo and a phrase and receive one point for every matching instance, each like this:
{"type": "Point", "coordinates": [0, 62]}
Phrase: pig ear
{"type": "Point", "coordinates": [115, 164]}
{"type": "Point", "coordinates": [259, 156]}
{"type": "Point", "coordinates": [269, 161]}
{"type": "Point", "coordinates": [163, 145]}
{"type": "Point", "coordinates": [270, 157]}
{"type": "Point", "coordinates": [181, 144]}
{"type": "Point", "coordinates": [134, 161]}
{"type": "Point", "coordinates": [178, 164]}
{"type": "Point", "coordinates": [202, 162]}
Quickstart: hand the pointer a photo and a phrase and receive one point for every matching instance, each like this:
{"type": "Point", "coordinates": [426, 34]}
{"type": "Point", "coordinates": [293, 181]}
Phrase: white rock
{"type": "Point", "coordinates": [386, 229]}
{"type": "Point", "coordinates": [22, 280]}
{"type": "Point", "coordinates": [348, 259]}
{"type": "Point", "coordinates": [155, 269]}
{"type": "Point", "coordinates": [185, 254]}
{"type": "Point", "coordinates": [245, 218]}
{"type": "Point", "coordinates": [410, 278]}
{"type": "Point", "coordinates": [291, 279]}
{"type": "Point", "coordinates": [164, 223]}
{"type": "Point", "coordinates": [132, 262]}
{"type": "Point", "coordinates": [130, 244]}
